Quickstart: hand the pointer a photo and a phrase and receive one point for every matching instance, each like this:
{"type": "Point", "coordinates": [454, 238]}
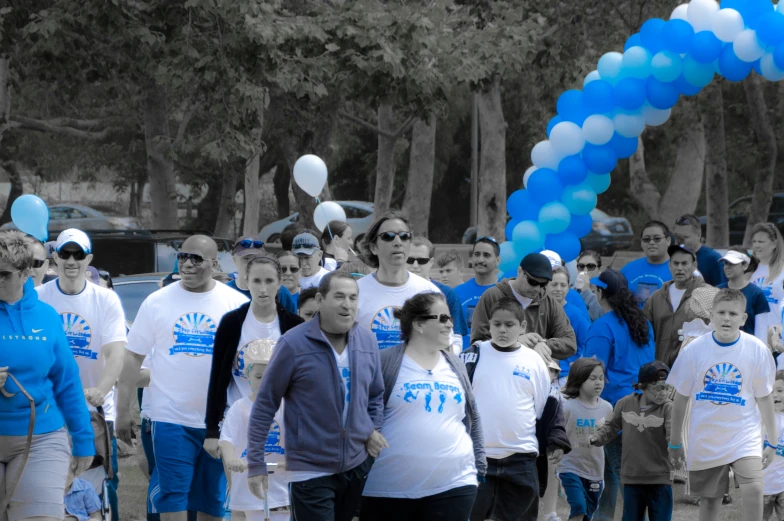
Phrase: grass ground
{"type": "Point", "coordinates": [133, 494]}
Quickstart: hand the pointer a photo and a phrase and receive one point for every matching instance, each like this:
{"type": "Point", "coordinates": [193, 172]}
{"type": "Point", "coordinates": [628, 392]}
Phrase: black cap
{"type": "Point", "coordinates": [680, 247]}
{"type": "Point", "coordinates": [653, 372]}
{"type": "Point", "coordinates": [611, 281]}
{"type": "Point", "coordinates": [537, 265]}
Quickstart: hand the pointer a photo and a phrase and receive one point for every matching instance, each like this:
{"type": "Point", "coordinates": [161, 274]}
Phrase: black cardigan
{"type": "Point", "coordinates": [227, 339]}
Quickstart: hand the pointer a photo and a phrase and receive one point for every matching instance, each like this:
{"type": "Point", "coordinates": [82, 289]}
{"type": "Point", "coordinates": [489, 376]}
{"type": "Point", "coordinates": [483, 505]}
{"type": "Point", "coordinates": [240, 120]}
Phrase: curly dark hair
{"type": "Point", "coordinates": [627, 307]}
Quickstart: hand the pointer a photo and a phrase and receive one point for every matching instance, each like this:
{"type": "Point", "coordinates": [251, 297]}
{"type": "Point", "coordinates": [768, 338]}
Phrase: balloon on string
{"type": "Point", "coordinates": [544, 186]}
{"type": "Point", "coordinates": [598, 97]}
{"type": "Point", "coordinates": [554, 217]}
{"type": "Point", "coordinates": [565, 244]}
{"type": "Point", "coordinates": [310, 174]}
{"type": "Point", "coordinates": [527, 237]}
{"type": "Point", "coordinates": [700, 13]}
{"type": "Point", "coordinates": [727, 24]}
{"type": "Point", "coordinates": [328, 211]}
{"type": "Point", "coordinates": [580, 225]}
{"type": "Point", "coordinates": [622, 147]}
{"type": "Point", "coordinates": [732, 67]}
{"type": "Point", "coordinates": [747, 46]}
{"type": "Point", "coordinates": [599, 183]}
{"type": "Point", "coordinates": [579, 199]}
{"type": "Point", "coordinates": [567, 138]}
{"type": "Point", "coordinates": [678, 36]}
{"type": "Point", "coordinates": [705, 48]}
{"type": "Point", "coordinates": [30, 214]}
{"type": "Point", "coordinates": [572, 170]}
{"type": "Point", "coordinates": [637, 62]}
{"type": "Point", "coordinates": [598, 129]}
{"type": "Point", "coordinates": [600, 158]}
{"type": "Point", "coordinates": [509, 258]}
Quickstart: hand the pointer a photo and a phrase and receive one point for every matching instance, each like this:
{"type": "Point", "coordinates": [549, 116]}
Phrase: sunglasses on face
{"type": "Point", "coordinates": [486, 238]}
{"type": "Point", "coordinates": [659, 387]}
{"type": "Point", "coordinates": [687, 220]}
{"type": "Point", "coordinates": [587, 267]}
{"type": "Point", "coordinates": [655, 240]}
{"type": "Point", "coordinates": [419, 260]}
{"type": "Point", "coordinates": [77, 255]}
{"type": "Point", "coordinates": [247, 243]}
{"type": "Point", "coordinates": [38, 263]}
{"type": "Point", "coordinates": [286, 269]}
{"type": "Point", "coordinates": [535, 283]}
{"type": "Point", "coordinates": [195, 259]}
{"type": "Point", "coordinates": [6, 275]}
{"type": "Point", "coordinates": [442, 318]}
{"type": "Point", "coordinates": [390, 236]}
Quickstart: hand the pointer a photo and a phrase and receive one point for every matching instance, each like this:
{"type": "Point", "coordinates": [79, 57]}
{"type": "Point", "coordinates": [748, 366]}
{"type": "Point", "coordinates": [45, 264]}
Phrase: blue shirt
{"type": "Point", "coordinates": [756, 304]}
{"type": "Point", "coordinates": [469, 293]}
{"type": "Point", "coordinates": [459, 325]}
{"type": "Point", "coordinates": [574, 298]}
{"type": "Point", "coordinates": [709, 264]}
{"type": "Point", "coordinates": [645, 278]}
{"type": "Point", "coordinates": [285, 298]}
{"type": "Point", "coordinates": [609, 340]}
{"type": "Point", "coordinates": [581, 325]}
{"type": "Point", "coordinates": [82, 500]}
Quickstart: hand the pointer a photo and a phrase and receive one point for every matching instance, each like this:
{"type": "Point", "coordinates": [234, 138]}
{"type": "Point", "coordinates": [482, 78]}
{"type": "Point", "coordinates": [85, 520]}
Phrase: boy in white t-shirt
{"type": "Point", "coordinates": [773, 476]}
{"type": "Point", "coordinates": [728, 377]}
{"type": "Point", "coordinates": [234, 447]}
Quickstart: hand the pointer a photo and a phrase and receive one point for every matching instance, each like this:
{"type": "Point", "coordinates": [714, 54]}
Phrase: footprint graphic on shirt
{"type": "Point", "coordinates": [428, 397]}
{"type": "Point", "coordinates": [442, 399]}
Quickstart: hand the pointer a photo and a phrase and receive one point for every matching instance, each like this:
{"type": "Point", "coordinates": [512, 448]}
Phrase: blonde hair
{"type": "Point", "coordinates": [16, 248]}
{"type": "Point", "coordinates": [776, 264]}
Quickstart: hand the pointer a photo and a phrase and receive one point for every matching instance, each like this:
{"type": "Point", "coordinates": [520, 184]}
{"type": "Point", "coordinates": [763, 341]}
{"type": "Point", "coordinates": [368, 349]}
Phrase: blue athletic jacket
{"type": "Point", "coordinates": [34, 347]}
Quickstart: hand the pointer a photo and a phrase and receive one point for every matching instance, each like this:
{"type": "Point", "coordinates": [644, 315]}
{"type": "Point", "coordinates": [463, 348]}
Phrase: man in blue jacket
{"type": "Point", "coordinates": [328, 371]}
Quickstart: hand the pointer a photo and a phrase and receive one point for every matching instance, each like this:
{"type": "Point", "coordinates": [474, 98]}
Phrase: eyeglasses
{"type": "Point", "coordinates": [659, 387]}
{"type": "Point", "coordinates": [78, 255]}
{"type": "Point", "coordinates": [6, 275]}
{"type": "Point", "coordinates": [195, 259]}
{"type": "Point", "coordinates": [486, 238]}
{"type": "Point", "coordinates": [390, 236]}
{"type": "Point", "coordinates": [38, 263]}
{"type": "Point", "coordinates": [419, 260]}
{"type": "Point", "coordinates": [655, 240]}
{"type": "Point", "coordinates": [442, 318]}
{"type": "Point", "coordinates": [286, 269]}
{"type": "Point", "coordinates": [248, 243]}
{"type": "Point", "coordinates": [535, 283]}
{"type": "Point", "coordinates": [589, 267]}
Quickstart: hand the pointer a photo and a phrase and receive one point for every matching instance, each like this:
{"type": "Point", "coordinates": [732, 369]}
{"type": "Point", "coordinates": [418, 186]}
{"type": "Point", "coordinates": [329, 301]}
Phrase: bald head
{"type": "Point", "coordinates": [200, 245]}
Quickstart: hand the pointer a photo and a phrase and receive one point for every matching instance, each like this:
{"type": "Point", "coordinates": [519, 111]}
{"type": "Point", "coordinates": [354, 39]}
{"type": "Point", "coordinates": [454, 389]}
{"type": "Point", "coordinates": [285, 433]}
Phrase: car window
{"type": "Point", "coordinates": [58, 213]}
{"type": "Point", "coordinates": [133, 294]}
{"type": "Point", "coordinates": [740, 208]}
{"type": "Point", "coordinates": [778, 204]}
{"type": "Point", "coordinates": [76, 214]}
{"type": "Point", "coordinates": [352, 212]}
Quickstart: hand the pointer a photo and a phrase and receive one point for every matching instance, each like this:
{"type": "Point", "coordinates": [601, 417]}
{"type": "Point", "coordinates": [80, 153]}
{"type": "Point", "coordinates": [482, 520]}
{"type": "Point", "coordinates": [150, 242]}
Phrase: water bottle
{"type": "Point", "coordinates": [579, 284]}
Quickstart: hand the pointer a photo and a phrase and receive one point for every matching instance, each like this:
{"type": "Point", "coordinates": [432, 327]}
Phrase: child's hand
{"type": "Point", "coordinates": [767, 456]}
{"type": "Point", "coordinates": [593, 441]}
{"type": "Point", "coordinates": [236, 465]}
{"type": "Point", "coordinates": [677, 457]}
{"type": "Point", "coordinates": [555, 456]}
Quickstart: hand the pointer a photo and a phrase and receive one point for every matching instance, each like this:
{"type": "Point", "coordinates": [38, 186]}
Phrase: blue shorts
{"type": "Point", "coordinates": [185, 476]}
{"type": "Point", "coordinates": [582, 494]}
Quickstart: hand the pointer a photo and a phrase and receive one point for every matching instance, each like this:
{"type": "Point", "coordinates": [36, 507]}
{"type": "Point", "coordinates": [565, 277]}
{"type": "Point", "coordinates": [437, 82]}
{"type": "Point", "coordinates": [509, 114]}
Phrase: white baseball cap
{"type": "Point", "coordinates": [75, 236]}
{"type": "Point", "coordinates": [736, 257]}
{"type": "Point", "coordinates": [554, 258]}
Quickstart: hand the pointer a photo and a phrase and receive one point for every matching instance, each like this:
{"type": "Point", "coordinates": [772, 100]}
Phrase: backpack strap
{"type": "Point", "coordinates": [470, 358]}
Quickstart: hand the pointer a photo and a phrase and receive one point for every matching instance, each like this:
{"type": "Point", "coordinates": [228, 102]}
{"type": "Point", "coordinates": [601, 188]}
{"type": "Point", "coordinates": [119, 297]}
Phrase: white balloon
{"type": "Point", "coordinates": [700, 12]}
{"type": "Point", "coordinates": [680, 13]}
{"type": "Point", "coordinates": [598, 129]}
{"type": "Point", "coordinates": [544, 155]}
{"type": "Point", "coordinates": [655, 117]}
{"type": "Point", "coordinates": [527, 174]}
{"type": "Point", "coordinates": [768, 66]}
{"type": "Point", "coordinates": [591, 76]}
{"type": "Point", "coordinates": [326, 212]}
{"type": "Point", "coordinates": [629, 125]}
{"type": "Point", "coordinates": [747, 46]}
{"type": "Point", "coordinates": [727, 24]}
{"type": "Point", "coordinates": [567, 138]}
{"type": "Point", "coordinates": [310, 174]}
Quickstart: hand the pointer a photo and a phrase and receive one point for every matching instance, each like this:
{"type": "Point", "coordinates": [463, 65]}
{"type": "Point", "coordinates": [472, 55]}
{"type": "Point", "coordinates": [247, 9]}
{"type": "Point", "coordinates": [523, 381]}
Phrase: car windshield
{"type": "Point", "coordinates": [132, 294]}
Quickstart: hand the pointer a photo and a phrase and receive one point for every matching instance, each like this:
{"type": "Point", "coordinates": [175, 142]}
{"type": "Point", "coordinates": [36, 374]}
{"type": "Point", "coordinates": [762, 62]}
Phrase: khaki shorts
{"type": "Point", "coordinates": [773, 503]}
{"type": "Point", "coordinates": [714, 482]}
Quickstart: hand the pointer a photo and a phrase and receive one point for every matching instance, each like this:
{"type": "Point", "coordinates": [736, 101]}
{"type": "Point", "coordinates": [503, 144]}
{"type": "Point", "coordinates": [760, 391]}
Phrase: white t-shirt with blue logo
{"type": "Point", "coordinates": [430, 450]}
{"type": "Point", "coordinates": [252, 330]}
{"type": "Point", "coordinates": [723, 383]}
{"type": "Point", "coordinates": [773, 291]}
{"type": "Point", "coordinates": [92, 319]}
{"type": "Point", "coordinates": [344, 370]}
{"type": "Point", "coordinates": [177, 329]}
{"type": "Point", "coordinates": [377, 304]}
{"type": "Point", "coordinates": [773, 476]}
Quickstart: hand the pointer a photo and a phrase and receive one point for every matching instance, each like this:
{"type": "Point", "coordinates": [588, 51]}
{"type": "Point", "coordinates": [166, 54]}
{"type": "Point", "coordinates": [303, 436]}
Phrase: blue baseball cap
{"type": "Point", "coordinates": [610, 280]}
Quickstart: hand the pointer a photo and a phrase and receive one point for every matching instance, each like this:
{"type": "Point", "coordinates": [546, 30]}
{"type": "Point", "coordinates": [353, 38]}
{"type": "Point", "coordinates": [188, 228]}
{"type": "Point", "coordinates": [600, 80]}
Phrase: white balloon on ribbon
{"type": "Point", "coordinates": [310, 174]}
{"type": "Point", "coordinates": [328, 211]}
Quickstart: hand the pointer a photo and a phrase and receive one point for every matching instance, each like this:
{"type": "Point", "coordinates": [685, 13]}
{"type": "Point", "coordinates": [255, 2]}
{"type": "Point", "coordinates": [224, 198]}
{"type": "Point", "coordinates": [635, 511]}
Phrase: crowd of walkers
{"type": "Point", "coordinates": [341, 379]}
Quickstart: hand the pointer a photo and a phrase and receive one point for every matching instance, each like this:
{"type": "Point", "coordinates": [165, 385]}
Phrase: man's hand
{"type": "Point", "coordinates": [124, 428]}
{"type": "Point", "coordinates": [767, 456]}
{"type": "Point", "coordinates": [258, 485]}
{"type": "Point", "coordinates": [678, 456]}
{"type": "Point", "coordinates": [555, 456]}
{"type": "Point", "coordinates": [530, 339]}
{"type": "Point", "coordinates": [81, 463]}
{"type": "Point", "coordinates": [774, 339]}
{"type": "Point", "coordinates": [94, 396]}
{"type": "Point", "coordinates": [212, 448]}
{"type": "Point", "coordinates": [543, 350]}
{"type": "Point", "coordinates": [375, 443]}
{"type": "Point", "coordinates": [236, 465]}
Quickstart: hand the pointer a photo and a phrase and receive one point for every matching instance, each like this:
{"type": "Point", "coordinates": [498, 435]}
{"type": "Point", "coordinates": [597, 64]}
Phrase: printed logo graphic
{"type": "Point", "coordinates": [523, 372]}
{"type": "Point", "coordinates": [37, 330]}
{"type": "Point", "coordinates": [585, 428]}
{"type": "Point", "coordinates": [239, 359]}
{"type": "Point", "coordinates": [194, 335]}
{"type": "Point", "coordinates": [641, 421]}
{"type": "Point", "coordinates": [386, 328]}
{"type": "Point", "coordinates": [345, 373]}
{"type": "Point", "coordinates": [722, 385]}
{"type": "Point", "coordinates": [272, 446]}
{"type": "Point", "coordinates": [767, 289]}
{"type": "Point", "coordinates": [433, 395]}
{"type": "Point", "coordinates": [79, 335]}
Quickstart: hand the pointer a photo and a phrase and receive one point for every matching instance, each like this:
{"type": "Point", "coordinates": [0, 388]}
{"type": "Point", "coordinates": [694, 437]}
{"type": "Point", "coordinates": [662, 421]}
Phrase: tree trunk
{"type": "Point", "coordinates": [5, 94]}
{"type": "Point", "coordinates": [640, 185]}
{"type": "Point", "coordinates": [281, 182]}
{"type": "Point", "coordinates": [716, 191]}
{"type": "Point", "coordinates": [762, 197]}
{"type": "Point", "coordinates": [17, 189]}
{"type": "Point", "coordinates": [226, 206]}
{"type": "Point", "coordinates": [492, 161]}
{"type": "Point", "coordinates": [685, 186]}
{"type": "Point", "coordinates": [157, 139]}
{"type": "Point", "coordinates": [419, 190]}
{"type": "Point", "coordinates": [385, 161]}
{"type": "Point", "coordinates": [252, 196]}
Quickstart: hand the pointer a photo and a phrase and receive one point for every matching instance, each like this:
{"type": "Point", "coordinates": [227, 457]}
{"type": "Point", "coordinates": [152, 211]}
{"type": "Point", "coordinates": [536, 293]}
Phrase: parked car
{"type": "Point", "coordinates": [609, 234]}
{"type": "Point", "coordinates": [359, 214]}
{"type": "Point", "coordinates": [738, 211]}
{"type": "Point", "coordinates": [64, 216]}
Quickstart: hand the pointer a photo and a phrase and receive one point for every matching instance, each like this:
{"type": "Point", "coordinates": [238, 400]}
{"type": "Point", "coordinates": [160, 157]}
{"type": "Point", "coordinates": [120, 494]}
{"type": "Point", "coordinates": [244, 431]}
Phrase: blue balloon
{"type": "Point", "coordinates": [565, 244]}
{"type": "Point", "coordinates": [544, 186]}
{"type": "Point", "coordinates": [705, 47]}
{"type": "Point", "coordinates": [637, 62]}
{"type": "Point", "coordinates": [572, 170]}
{"type": "Point", "coordinates": [651, 34]}
{"type": "Point", "coordinates": [579, 199]}
{"type": "Point", "coordinates": [666, 66]}
{"type": "Point", "coordinates": [520, 206]}
{"type": "Point", "coordinates": [686, 88]}
{"type": "Point", "coordinates": [570, 106]}
{"type": "Point", "coordinates": [752, 11]}
{"type": "Point", "coordinates": [770, 30]}
{"type": "Point", "coordinates": [580, 225]}
{"type": "Point", "coordinates": [732, 67]}
{"type": "Point", "coordinates": [678, 36]}
{"type": "Point", "coordinates": [599, 158]}
{"type": "Point", "coordinates": [509, 229]}
{"type": "Point", "coordinates": [598, 97]}
{"type": "Point", "coordinates": [661, 95]}
{"type": "Point", "coordinates": [598, 182]}
{"type": "Point", "coordinates": [634, 40]}
{"type": "Point", "coordinates": [553, 122]}
{"type": "Point", "coordinates": [630, 93]}
{"type": "Point", "coordinates": [778, 56]}
{"type": "Point", "coordinates": [696, 73]}
{"type": "Point", "coordinates": [509, 258]}
{"type": "Point", "coordinates": [622, 147]}
{"type": "Point", "coordinates": [31, 215]}
{"type": "Point", "coordinates": [527, 237]}
{"type": "Point", "coordinates": [554, 217]}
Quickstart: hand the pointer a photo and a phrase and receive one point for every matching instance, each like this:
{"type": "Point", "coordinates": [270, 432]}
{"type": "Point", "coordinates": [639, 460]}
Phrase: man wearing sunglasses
{"type": "Point", "coordinates": [648, 274]}
{"type": "Point", "coordinates": [308, 250]}
{"type": "Point", "coordinates": [176, 327]}
{"type": "Point", "coordinates": [547, 327]}
{"type": "Point", "coordinates": [688, 231]}
{"type": "Point", "coordinates": [245, 248]}
{"type": "Point", "coordinates": [485, 258]}
{"type": "Point", "coordinates": [94, 324]}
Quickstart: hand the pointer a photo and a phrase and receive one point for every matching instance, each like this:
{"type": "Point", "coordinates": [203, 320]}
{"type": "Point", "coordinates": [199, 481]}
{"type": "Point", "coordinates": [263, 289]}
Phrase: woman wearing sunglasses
{"type": "Point", "coordinates": [589, 265]}
{"type": "Point", "coordinates": [290, 272]}
{"type": "Point", "coordinates": [336, 241]}
{"type": "Point", "coordinates": [388, 243]}
{"type": "Point", "coordinates": [431, 423]}
{"type": "Point", "coordinates": [263, 318]}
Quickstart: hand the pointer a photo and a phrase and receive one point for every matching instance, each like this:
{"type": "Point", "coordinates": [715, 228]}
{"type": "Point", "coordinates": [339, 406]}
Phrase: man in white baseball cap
{"type": "Point", "coordinates": [94, 324]}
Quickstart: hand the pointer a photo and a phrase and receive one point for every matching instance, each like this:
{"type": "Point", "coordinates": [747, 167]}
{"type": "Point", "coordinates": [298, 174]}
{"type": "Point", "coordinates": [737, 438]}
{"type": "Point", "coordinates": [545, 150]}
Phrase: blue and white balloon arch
{"type": "Point", "coordinates": [598, 125]}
